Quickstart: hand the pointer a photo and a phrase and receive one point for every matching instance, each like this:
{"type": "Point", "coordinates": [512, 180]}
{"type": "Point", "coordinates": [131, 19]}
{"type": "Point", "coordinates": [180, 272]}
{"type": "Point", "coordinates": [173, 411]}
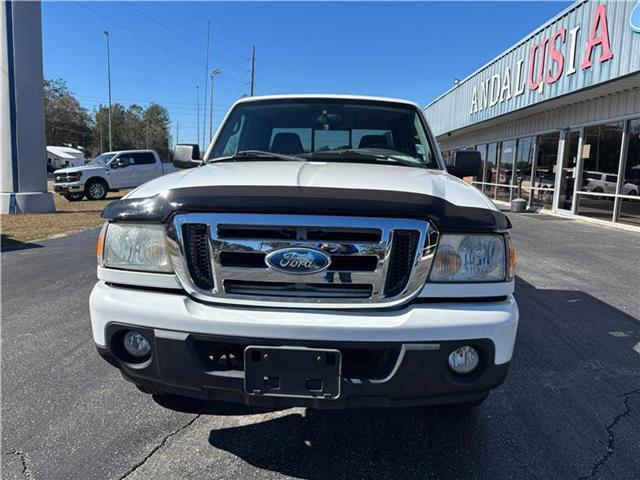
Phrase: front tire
{"type": "Point", "coordinates": [96, 190]}
{"type": "Point", "coordinates": [74, 197]}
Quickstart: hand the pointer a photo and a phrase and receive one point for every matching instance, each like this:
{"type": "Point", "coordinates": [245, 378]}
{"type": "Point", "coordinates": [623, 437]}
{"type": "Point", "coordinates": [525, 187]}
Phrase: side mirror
{"type": "Point", "coordinates": [186, 155]}
{"type": "Point", "coordinates": [466, 163]}
{"type": "Point", "coordinates": [117, 163]}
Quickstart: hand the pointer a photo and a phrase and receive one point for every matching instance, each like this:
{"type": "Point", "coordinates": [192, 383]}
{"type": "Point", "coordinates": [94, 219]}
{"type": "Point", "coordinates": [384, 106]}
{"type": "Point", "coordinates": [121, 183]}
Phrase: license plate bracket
{"type": "Point", "coordinates": [292, 372]}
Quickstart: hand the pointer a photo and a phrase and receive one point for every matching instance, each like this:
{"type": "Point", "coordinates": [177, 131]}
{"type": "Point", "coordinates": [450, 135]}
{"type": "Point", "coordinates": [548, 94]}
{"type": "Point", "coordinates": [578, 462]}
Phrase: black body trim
{"type": "Point", "coordinates": [407, 374]}
{"type": "Point", "coordinates": [446, 216]}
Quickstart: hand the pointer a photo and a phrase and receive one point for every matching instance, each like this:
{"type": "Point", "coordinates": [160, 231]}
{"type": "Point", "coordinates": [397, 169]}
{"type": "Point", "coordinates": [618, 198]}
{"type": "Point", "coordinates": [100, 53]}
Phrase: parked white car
{"type": "Point", "coordinates": [322, 256]}
{"type": "Point", "coordinates": [599, 182]}
{"type": "Point", "coordinates": [111, 171]}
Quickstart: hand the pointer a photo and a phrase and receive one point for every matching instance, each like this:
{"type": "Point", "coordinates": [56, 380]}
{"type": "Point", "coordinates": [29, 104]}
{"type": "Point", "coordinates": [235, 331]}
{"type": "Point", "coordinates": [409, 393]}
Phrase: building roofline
{"type": "Point", "coordinates": [513, 47]}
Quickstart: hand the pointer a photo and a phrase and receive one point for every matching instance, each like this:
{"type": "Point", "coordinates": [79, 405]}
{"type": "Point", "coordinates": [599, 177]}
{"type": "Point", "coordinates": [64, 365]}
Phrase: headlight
{"type": "Point", "coordinates": [470, 258]}
{"type": "Point", "coordinates": [135, 247]}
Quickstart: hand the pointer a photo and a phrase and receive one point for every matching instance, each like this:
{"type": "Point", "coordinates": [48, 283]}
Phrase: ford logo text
{"type": "Point", "coordinates": [298, 261]}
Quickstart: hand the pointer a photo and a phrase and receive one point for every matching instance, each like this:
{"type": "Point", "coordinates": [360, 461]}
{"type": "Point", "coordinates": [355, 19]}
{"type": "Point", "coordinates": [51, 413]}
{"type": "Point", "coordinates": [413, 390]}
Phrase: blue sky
{"type": "Point", "coordinates": [407, 50]}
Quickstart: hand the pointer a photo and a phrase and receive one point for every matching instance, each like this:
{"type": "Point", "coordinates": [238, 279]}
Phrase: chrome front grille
{"type": "Point", "coordinates": [374, 261]}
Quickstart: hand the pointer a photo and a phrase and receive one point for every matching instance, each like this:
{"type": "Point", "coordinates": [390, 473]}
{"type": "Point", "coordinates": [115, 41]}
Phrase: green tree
{"type": "Point", "coordinates": [132, 128]}
{"type": "Point", "coordinates": [157, 126]}
{"type": "Point", "coordinates": [66, 121]}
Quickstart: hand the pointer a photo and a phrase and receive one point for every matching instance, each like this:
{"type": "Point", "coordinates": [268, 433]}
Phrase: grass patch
{"type": "Point", "coordinates": [68, 217]}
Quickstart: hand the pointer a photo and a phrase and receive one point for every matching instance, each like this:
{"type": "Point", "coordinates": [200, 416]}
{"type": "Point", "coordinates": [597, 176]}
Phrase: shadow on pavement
{"type": "Point", "coordinates": [363, 443]}
{"type": "Point", "coordinates": [574, 357]}
{"type": "Point", "coordinates": [205, 407]}
{"type": "Point", "coordinates": [9, 244]}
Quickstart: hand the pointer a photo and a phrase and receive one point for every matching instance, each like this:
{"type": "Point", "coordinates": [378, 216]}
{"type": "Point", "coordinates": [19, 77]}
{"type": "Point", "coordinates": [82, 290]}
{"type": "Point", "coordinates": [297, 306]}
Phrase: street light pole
{"type": "Point", "coordinates": [198, 115]}
{"type": "Point", "coordinates": [214, 72]}
{"type": "Point", "coordinates": [206, 78]}
{"type": "Point", "coordinates": [109, 81]}
{"type": "Point", "coordinates": [253, 67]}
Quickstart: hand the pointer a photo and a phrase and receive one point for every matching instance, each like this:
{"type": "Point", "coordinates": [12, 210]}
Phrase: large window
{"type": "Point", "coordinates": [544, 177]}
{"type": "Point", "coordinates": [505, 169]}
{"type": "Point", "coordinates": [482, 148]}
{"type": "Point", "coordinates": [490, 171]}
{"type": "Point", "coordinates": [524, 159]}
{"type": "Point", "coordinates": [630, 202]}
{"type": "Point", "coordinates": [601, 160]}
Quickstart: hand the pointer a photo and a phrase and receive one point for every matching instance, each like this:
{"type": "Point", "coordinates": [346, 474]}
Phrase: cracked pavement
{"type": "Point", "coordinates": [570, 407]}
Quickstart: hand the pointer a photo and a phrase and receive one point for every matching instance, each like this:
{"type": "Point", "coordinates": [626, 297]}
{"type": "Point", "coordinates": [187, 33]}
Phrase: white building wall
{"type": "Point", "coordinates": [603, 109]}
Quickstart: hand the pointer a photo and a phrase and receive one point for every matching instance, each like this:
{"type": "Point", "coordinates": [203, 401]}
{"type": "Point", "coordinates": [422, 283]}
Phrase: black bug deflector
{"type": "Point", "coordinates": [446, 216]}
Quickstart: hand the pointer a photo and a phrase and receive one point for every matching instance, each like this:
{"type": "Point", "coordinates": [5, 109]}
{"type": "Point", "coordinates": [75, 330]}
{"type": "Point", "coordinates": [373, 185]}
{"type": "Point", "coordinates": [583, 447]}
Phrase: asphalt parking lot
{"type": "Point", "coordinates": [570, 407]}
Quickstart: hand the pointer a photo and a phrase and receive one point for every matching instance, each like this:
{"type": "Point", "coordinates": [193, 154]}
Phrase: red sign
{"type": "Point", "coordinates": [546, 63]}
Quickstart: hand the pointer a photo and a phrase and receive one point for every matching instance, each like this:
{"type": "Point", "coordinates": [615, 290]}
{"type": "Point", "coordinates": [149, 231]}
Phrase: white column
{"type": "Point", "coordinates": [558, 170]}
{"type": "Point", "coordinates": [23, 171]}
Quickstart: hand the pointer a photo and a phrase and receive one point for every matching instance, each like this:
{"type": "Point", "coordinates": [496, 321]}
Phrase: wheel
{"type": "Point", "coordinates": [598, 190]}
{"type": "Point", "coordinates": [96, 189]}
{"type": "Point", "coordinates": [74, 197]}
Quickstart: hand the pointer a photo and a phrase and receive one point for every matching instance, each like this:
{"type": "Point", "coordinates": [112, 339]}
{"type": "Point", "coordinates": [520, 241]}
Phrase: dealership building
{"type": "Point", "coordinates": [556, 117]}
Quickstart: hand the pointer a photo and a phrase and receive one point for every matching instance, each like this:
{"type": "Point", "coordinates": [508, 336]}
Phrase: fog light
{"type": "Point", "coordinates": [464, 359]}
{"type": "Point", "coordinates": [136, 344]}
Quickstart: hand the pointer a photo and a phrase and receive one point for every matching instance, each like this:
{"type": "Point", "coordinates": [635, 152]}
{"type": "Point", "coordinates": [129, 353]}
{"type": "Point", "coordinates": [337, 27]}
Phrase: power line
{"type": "Point", "coordinates": [188, 40]}
{"type": "Point", "coordinates": [173, 12]}
{"type": "Point", "coordinates": [122, 99]}
{"type": "Point", "coordinates": [141, 35]}
{"type": "Point", "coordinates": [268, 78]}
{"type": "Point", "coordinates": [149, 39]}
{"type": "Point", "coordinates": [218, 43]}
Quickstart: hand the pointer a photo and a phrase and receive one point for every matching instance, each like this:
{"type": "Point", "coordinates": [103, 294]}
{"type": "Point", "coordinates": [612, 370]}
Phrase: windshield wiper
{"type": "Point", "coordinates": [258, 155]}
{"type": "Point", "coordinates": [365, 155]}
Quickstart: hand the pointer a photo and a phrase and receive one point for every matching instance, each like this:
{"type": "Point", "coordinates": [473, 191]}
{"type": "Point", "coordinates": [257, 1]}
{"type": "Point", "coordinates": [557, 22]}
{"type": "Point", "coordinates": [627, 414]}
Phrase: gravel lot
{"type": "Point", "coordinates": [570, 407]}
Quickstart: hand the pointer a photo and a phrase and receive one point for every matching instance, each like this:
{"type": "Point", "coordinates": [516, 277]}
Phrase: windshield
{"type": "Point", "coordinates": [328, 130]}
{"type": "Point", "coordinates": [102, 160]}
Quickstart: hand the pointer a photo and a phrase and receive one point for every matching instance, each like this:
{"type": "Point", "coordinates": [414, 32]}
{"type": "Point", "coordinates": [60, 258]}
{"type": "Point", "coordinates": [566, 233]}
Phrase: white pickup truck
{"type": "Point", "coordinates": [111, 171]}
{"type": "Point", "coordinates": [319, 255]}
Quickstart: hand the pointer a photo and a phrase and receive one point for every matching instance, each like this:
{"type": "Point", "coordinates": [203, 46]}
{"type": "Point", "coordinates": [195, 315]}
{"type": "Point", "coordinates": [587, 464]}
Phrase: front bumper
{"type": "Point", "coordinates": [373, 374]}
{"type": "Point", "coordinates": [74, 187]}
{"type": "Point", "coordinates": [412, 346]}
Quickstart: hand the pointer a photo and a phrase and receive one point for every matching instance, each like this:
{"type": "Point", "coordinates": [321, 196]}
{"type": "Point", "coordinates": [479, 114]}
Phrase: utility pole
{"type": "Point", "coordinates": [253, 66]}
{"type": "Point", "coordinates": [198, 115]}
{"type": "Point", "coordinates": [177, 131]}
{"type": "Point", "coordinates": [146, 127]}
{"type": "Point", "coordinates": [109, 81]}
{"type": "Point", "coordinates": [206, 79]}
{"type": "Point", "coordinates": [214, 72]}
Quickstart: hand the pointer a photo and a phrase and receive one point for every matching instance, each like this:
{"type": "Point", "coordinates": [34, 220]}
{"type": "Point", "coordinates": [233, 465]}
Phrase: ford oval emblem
{"type": "Point", "coordinates": [298, 261]}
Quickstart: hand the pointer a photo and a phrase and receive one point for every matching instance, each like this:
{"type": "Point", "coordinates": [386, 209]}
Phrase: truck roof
{"type": "Point", "coordinates": [328, 96]}
{"type": "Point", "coordinates": [130, 150]}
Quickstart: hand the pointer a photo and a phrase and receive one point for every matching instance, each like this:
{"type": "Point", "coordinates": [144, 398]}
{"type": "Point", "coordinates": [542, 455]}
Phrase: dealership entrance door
{"type": "Point", "coordinates": [566, 172]}
{"type": "Point", "coordinates": [544, 167]}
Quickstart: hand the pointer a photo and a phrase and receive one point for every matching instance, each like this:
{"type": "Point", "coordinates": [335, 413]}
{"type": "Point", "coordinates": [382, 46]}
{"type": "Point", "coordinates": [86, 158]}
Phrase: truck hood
{"type": "Point", "coordinates": [83, 169]}
{"type": "Point", "coordinates": [435, 183]}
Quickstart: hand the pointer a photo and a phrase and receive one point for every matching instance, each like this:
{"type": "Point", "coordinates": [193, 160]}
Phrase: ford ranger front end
{"type": "Point", "coordinates": [320, 256]}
